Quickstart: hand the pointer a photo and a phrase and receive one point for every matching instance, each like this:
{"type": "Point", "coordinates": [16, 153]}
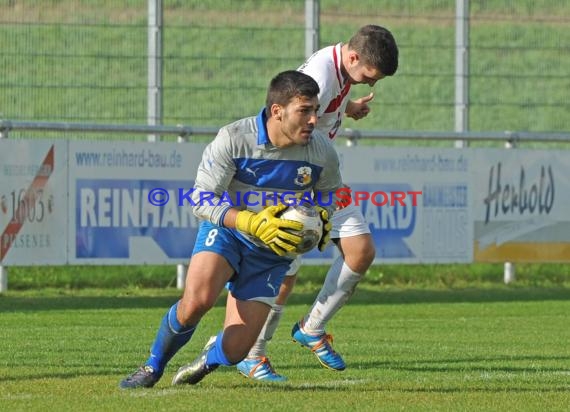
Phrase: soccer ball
{"type": "Point", "coordinates": [312, 226]}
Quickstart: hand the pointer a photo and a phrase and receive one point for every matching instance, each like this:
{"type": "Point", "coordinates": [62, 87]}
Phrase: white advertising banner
{"type": "Point", "coordinates": [33, 202]}
{"type": "Point", "coordinates": [416, 201]}
{"type": "Point", "coordinates": [81, 202]}
{"type": "Point", "coordinates": [127, 202]}
{"type": "Point", "coordinates": [521, 200]}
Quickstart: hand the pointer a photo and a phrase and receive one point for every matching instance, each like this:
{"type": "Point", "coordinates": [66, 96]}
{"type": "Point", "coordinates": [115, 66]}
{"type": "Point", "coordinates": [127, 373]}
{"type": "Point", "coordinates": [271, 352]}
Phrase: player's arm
{"type": "Point", "coordinates": [215, 173]}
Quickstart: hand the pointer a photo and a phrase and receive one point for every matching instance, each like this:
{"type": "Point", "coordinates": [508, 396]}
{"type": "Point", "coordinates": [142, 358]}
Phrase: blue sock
{"type": "Point", "coordinates": [216, 355]}
{"type": "Point", "coordinates": [171, 336]}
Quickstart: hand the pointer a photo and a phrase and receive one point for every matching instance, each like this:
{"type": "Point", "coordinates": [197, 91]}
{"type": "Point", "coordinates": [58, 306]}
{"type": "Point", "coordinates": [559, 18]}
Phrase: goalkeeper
{"type": "Point", "coordinates": [276, 151]}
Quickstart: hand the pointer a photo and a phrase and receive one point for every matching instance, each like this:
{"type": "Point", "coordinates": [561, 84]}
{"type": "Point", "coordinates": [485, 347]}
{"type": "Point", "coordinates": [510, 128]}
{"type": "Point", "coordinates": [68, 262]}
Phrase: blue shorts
{"type": "Point", "coordinates": [258, 272]}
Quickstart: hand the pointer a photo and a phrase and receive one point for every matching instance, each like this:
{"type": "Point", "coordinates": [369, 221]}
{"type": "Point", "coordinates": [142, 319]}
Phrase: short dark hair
{"type": "Point", "coordinates": [377, 47]}
{"type": "Point", "coordinates": [287, 85]}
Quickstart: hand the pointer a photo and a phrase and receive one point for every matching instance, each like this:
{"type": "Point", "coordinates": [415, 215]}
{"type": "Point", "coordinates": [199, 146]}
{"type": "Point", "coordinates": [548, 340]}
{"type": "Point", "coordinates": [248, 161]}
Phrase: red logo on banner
{"type": "Point", "coordinates": [11, 231]}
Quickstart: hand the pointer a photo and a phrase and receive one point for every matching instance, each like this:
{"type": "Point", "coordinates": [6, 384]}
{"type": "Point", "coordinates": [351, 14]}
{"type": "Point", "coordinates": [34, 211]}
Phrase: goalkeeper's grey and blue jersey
{"type": "Point", "coordinates": [241, 162]}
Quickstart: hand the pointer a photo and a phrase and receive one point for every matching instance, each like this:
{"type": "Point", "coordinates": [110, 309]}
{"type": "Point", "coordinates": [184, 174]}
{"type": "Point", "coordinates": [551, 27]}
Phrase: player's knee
{"type": "Point", "coordinates": [359, 261]}
{"type": "Point", "coordinates": [189, 313]}
{"type": "Point", "coordinates": [368, 255]}
{"type": "Point", "coordinates": [358, 252]}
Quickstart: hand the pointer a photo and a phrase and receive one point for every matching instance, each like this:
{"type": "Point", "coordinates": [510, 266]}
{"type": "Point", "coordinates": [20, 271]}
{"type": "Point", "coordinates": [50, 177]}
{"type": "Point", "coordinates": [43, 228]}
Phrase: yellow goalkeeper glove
{"type": "Point", "coordinates": [270, 229]}
{"type": "Point", "coordinates": [327, 226]}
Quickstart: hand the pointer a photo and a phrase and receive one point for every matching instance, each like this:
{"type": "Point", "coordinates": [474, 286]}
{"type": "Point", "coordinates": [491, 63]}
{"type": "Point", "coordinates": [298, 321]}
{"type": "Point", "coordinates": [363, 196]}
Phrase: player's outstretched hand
{"type": "Point", "coordinates": [358, 109]}
{"type": "Point", "coordinates": [327, 226]}
{"type": "Point", "coordinates": [269, 229]}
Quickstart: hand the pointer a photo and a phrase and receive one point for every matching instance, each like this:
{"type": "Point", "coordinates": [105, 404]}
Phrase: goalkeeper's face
{"type": "Point", "coordinates": [298, 120]}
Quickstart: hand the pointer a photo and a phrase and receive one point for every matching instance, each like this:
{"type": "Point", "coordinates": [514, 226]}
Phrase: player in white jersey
{"type": "Point", "coordinates": [240, 244]}
{"type": "Point", "coordinates": [369, 56]}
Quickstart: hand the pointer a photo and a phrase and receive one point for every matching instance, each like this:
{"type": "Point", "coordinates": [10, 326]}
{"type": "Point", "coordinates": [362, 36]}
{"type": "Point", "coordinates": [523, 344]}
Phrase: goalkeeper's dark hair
{"type": "Point", "coordinates": [288, 85]}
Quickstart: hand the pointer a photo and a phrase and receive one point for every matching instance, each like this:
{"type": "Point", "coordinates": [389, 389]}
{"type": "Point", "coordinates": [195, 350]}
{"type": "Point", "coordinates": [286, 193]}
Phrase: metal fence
{"type": "Point", "coordinates": [85, 61]}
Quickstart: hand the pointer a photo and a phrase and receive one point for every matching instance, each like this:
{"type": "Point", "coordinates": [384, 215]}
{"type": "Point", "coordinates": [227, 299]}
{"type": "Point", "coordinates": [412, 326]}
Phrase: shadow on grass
{"type": "Point", "coordinates": [345, 382]}
{"type": "Point", "coordinates": [363, 296]}
{"type": "Point", "coordinates": [367, 295]}
{"type": "Point", "coordinates": [38, 303]}
{"type": "Point", "coordinates": [481, 365]}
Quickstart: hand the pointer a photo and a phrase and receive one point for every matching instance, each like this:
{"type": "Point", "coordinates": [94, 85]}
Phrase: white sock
{"type": "Point", "coordinates": [259, 348]}
{"type": "Point", "coordinates": [339, 285]}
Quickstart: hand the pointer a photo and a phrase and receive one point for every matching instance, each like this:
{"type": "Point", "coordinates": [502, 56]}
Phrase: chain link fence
{"type": "Point", "coordinates": [86, 60]}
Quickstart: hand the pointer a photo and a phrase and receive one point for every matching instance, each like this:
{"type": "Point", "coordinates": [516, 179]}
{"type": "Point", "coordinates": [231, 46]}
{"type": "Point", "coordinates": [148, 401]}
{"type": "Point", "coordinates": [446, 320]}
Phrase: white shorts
{"type": "Point", "coordinates": [346, 222]}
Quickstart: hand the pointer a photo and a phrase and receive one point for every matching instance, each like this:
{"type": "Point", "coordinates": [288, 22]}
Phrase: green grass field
{"type": "Point", "coordinates": [473, 349]}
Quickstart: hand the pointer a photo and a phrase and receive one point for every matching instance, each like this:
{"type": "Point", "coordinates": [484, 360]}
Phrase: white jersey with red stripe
{"type": "Point", "coordinates": [324, 67]}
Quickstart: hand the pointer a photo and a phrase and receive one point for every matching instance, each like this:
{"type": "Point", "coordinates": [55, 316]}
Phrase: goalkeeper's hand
{"type": "Point", "coordinates": [327, 226]}
{"type": "Point", "coordinates": [270, 229]}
